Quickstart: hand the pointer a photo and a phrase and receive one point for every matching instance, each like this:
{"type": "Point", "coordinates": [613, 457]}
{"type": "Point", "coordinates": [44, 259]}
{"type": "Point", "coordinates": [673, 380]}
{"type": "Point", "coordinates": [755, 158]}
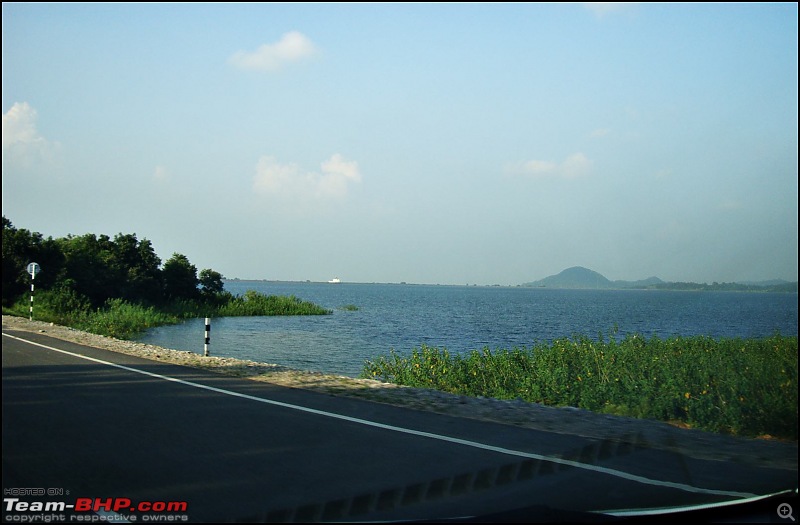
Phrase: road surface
{"type": "Point", "coordinates": [88, 427]}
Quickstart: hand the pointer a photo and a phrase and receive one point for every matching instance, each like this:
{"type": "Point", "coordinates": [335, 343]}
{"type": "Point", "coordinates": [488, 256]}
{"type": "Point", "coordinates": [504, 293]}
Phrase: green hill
{"type": "Point", "coordinates": [575, 277]}
{"type": "Point", "coordinates": [582, 278]}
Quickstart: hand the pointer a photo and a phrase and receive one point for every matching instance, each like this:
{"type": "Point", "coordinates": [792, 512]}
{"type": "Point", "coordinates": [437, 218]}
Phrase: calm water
{"type": "Point", "coordinates": [461, 318]}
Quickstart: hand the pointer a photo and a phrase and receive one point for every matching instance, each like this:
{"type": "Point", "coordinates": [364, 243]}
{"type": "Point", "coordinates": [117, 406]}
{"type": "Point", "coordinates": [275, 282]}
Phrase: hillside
{"type": "Point", "coordinates": [579, 278]}
{"type": "Point", "coordinates": [575, 277]}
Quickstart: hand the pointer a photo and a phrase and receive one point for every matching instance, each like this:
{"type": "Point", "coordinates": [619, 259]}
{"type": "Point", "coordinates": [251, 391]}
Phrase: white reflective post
{"type": "Point", "coordinates": [33, 269]}
{"type": "Point", "coordinates": [208, 336]}
{"type": "Point", "coordinates": [30, 315]}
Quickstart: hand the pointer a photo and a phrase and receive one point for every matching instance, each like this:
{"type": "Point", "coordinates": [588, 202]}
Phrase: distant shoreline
{"type": "Point", "coordinates": [789, 287]}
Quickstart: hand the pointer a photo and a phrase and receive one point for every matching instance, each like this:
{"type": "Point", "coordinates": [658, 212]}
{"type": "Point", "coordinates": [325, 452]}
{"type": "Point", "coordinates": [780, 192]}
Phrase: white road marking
{"type": "Point", "coordinates": [690, 508]}
{"type": "Point", "coordinates": [449, 439]}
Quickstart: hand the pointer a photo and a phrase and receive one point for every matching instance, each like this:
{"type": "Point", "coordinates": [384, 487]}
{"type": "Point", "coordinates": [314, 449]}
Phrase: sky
{"type": "Point", "coordinates": [425, 143]}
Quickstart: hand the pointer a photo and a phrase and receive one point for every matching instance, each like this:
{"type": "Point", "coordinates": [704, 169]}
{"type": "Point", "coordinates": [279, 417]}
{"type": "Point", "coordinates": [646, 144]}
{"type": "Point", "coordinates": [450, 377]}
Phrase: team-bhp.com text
{"type": "Point", "coordinates": [93, 510]}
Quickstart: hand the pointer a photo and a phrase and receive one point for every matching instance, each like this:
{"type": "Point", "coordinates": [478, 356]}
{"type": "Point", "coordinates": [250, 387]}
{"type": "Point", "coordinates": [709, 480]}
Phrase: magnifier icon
{"type": "Point", "coordinates": [785, 511]}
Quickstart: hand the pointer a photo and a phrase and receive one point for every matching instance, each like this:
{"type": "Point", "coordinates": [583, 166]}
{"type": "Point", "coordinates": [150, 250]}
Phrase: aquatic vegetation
{"type": "Point", "coordinates": [737, 386]}
{"type": "Point", "coordinates": [349, 308]}
{"type": "Point", "coordinates": [255, 303]}
{"type": "Point", "coordinates": [124, 320]}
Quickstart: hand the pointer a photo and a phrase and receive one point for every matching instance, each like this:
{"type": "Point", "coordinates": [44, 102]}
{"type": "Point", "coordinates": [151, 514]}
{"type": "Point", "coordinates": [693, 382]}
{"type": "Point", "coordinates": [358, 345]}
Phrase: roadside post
{"type": "Point", "coordinates": [33, 269]}
{"type": "Point", "coordinates": [208, 336]}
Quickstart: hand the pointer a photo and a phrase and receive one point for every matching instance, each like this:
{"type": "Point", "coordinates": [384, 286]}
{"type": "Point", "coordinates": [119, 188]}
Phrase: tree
{"type": "Point", "coordinates": [88, 270]}
{"type": "Point", "coordinates": [16, 245]}
{"type": "Point", "coordinates": [138, 268]}
{"type": "Point", "coordinates": [90, 264]}
{"type": "Point", "coordinates": [211, 282]}
{"type": "Point", "coordinates": [21, 247]}
{"type": "Point", "coordinates": [212, 288]}
{"type": "Point", "coordinates": [180, 278]}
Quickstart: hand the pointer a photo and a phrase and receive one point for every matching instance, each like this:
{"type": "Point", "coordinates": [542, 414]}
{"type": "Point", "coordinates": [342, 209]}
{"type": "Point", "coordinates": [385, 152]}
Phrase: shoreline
{"type": "Point", "coordinates": [762, 451]}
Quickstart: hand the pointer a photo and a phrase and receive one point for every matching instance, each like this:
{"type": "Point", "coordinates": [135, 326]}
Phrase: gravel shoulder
{"type": "Point", "coordinates": [764, 451]}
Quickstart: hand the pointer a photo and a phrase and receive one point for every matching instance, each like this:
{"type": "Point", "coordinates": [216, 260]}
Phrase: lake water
{"type": "Point", "coordinates": [463, 318]}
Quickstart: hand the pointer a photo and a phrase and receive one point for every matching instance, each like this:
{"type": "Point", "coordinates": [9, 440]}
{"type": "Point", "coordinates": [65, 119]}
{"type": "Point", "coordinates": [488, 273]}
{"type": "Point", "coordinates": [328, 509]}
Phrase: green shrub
{"type": "Point", "coordinates": [255, 303]}
{"type": "Point", "coordinates": [123, 319]}
{"type": "Point", "coordinates": [60, 305]}
{"type": "Point", "coordinates": [120, 319]}
{"type": "Point", "coordinates": [737, 386]}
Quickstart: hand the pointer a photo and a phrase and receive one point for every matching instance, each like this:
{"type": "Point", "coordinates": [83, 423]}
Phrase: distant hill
{"type": "Point", "coordinates": [650, 282]}
{"type": "Point", "coordinates": [575, 277]}
{"type": "Point", "coordinates": [578, 277]}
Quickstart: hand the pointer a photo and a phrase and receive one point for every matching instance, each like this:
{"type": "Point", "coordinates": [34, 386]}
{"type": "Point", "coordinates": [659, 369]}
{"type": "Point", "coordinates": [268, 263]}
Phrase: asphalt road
{"type": "Point", "coordinates": [82, 424]}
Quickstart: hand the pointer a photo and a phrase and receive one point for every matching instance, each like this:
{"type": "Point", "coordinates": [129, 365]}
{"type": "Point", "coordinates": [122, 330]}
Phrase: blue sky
{"type": "Point", "coordinates": [427, 143]}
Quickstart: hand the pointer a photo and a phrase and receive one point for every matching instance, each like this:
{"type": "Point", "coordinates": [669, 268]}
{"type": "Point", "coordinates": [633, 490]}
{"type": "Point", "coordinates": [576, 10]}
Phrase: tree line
{"type": "Point", "coordinates": [86, 271]}
{"type": "Point", "coordinates": [725, 287]}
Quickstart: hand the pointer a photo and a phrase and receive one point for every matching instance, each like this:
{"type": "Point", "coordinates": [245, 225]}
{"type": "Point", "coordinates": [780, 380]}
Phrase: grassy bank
{"type": "Point", "coordinates": [124, 320]}
{"type": "Point", "coordinates": [743, 387]}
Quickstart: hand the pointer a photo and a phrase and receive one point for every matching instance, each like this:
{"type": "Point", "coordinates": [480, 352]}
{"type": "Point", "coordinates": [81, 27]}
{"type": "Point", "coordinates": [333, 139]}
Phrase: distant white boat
{"type": "Point", "coordinates": [335, 280]}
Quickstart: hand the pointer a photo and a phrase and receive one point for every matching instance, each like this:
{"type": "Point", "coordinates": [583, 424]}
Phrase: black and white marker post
{"type": "Point", "coordinates": [33, 269]}
{"type": "Point", "coordinates": [208, 336]}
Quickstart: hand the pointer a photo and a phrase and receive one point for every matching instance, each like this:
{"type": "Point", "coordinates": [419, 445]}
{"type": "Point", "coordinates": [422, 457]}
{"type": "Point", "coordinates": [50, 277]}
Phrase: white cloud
{"type": "Point", "coordinates": [22, 143]}
{"type": "Point", "coordinates": [337, 173]}
{"type": "Point", "coordinates": [539, 167]}
{"type": "Point", "coordinates": [574, 166]}
{"type": "Point", "coordinates": [292, 47]}
{"type": "Point", "coordinates": [19, 126]}
{"type": "Point", "coordinates": [289, 181]}
{"type": "Point", "coordinates": [273, 177]}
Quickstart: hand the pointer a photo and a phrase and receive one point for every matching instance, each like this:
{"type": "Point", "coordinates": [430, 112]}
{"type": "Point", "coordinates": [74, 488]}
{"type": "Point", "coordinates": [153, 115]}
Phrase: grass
{"type": "Point", "coordinates": [255, 303]}
{"type": "Point", "coordinates": [743, 387]}
{"type": "Point", "coordinates": [117, 318]}
{"type": "Point", "coordinates": [124, 320]}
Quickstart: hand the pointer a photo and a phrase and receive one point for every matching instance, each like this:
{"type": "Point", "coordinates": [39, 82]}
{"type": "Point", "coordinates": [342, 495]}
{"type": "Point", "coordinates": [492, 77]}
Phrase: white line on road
{"type": "Point", "coordinates": [449, 439]}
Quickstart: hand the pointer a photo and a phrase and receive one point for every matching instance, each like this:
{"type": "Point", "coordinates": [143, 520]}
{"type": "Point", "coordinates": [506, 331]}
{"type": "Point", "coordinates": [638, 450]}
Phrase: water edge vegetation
{"type": "Point", "coordinates": [123, 320]}
{"type": "Point", "coordinates": [745, 387]}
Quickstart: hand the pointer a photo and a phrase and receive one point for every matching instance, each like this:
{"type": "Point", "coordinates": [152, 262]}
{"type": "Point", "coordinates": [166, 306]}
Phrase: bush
{"type": "Point", "coordinates": [122, 320]}
{"type": "Point", "coordinates": [737, 386]}
{"type": "Point", "coordinates": [255, 303]}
